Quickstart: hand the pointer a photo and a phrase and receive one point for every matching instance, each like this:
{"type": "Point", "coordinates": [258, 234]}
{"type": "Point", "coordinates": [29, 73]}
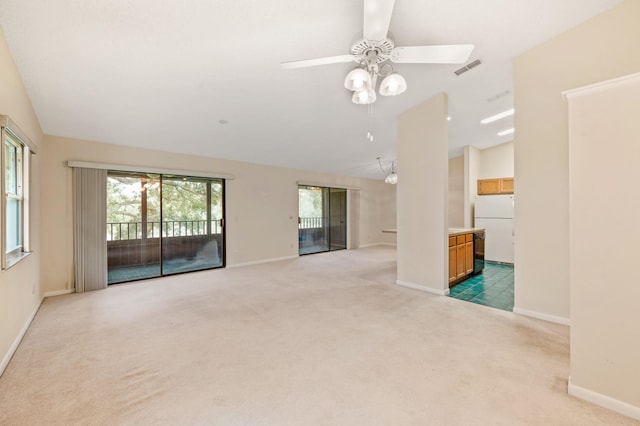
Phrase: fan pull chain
{"type": "Point", "coordinates": [370, 119]}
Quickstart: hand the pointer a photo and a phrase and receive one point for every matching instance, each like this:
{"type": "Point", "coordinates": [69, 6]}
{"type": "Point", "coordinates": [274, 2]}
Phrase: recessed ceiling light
{"type": "Point", "coordinates": [497, 117]}
{"type": "Point", "coordinates": [506, 132]}
{"type": "Point", "coordinates": [449, 118]}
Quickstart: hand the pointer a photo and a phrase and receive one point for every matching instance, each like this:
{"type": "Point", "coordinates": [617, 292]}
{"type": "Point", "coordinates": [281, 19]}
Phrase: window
{"type": "Point", "coordinates": [15, 211]}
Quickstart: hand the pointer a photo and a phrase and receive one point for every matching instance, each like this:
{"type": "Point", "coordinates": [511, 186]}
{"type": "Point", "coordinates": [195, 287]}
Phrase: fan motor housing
{"type": "Point", "coordinates": [370, 51]}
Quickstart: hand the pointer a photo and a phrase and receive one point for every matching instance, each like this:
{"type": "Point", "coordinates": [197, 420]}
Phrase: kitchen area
{"type": "Point", "coordinates": [480, 237]}
{"type": "Point", "coordinates": [481, 255]}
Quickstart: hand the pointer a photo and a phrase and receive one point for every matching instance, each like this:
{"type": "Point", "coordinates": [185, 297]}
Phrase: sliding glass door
{"type": "Point", "coordinates": [192, 224]}
{"type": "Point", "coordinates": [337, 218]}
{"type": "Point", "coordinates": [322, 219]}
{"type": "Point", "coordinates": [160, 225]}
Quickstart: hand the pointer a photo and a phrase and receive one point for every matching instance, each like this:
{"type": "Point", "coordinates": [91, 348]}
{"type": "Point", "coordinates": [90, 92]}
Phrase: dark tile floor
{"type": "Point", "coordinates": [493, 287]}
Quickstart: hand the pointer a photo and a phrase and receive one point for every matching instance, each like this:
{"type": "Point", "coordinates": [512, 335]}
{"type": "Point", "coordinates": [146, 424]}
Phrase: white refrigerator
{"type": "Point", "coordinates": [494, 213]}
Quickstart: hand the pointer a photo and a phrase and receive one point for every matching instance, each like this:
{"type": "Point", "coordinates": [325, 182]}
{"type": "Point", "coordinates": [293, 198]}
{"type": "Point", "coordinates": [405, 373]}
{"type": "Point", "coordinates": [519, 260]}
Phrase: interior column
{"type": "Point", "coordinates": [422, 196]}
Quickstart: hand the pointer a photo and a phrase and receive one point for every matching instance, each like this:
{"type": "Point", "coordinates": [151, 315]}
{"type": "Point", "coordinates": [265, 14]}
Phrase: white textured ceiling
{"type": "Point", "coordinates": [163, 73]}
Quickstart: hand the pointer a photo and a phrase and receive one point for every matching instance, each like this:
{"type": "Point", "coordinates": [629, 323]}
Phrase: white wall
{"type": "Point", "coordinates": [496, 161]}
{"type": "Point", "coordinates": [261, 209]}
{"type": "Point", "coordinates": [422, 196]}
{"type": "Point", "coordinates": [471, 170]}
{"type": "Point", "coordinates": [599, 49]}
{"type": "Point", "coordinates": [456, 192]}
{"type": "Point", "coordinates": [20, 291]}
{"type": "Point", "coordinates": [603, 238]}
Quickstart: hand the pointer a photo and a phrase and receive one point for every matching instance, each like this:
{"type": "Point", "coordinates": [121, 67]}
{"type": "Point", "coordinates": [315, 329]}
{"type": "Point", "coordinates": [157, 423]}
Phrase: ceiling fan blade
{"type": "Point", "coordinates": [445, 54]}
{"type": "Point", "coordinates": [318, 61]}
{"type": "Point", "coordinates": [377, 15]}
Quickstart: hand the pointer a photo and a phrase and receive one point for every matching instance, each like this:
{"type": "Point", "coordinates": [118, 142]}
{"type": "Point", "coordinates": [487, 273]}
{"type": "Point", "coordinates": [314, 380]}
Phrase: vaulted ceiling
{"type": "Point", "coordinates": [204, 77]}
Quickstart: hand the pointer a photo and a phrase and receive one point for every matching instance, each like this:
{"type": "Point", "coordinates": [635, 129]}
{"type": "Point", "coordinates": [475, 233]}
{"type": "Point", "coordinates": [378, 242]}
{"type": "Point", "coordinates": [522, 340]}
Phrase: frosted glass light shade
{"type": "Point", "coordinates": [393, 84]}
{"type": "Point", "coordinates": [392, 178]}
{"type": "Point", "coordinates": [363, 97]}
{"type": "Point", "coordinates": [357, 79]}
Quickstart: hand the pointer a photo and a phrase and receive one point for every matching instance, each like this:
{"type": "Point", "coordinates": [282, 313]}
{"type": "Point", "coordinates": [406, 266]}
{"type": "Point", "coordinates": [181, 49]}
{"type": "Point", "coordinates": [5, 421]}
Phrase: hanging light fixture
{"type": "Point", "coordinates": [364, 97]}
{"type": "Point", "coordinates": [393, 84]}
{"type": "Point", "coordinates": [392, 176]}
{"type": "Point", "coordinates": [362, 80]}
{"type": "Point", "coordinates": [357, 80]}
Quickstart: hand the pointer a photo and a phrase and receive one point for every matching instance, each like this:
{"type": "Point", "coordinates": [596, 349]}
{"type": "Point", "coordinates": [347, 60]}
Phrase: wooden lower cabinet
{"type": "Point", "coordinates": [460, 257]}
{"type": "Point", "coordinates": [452, 259]}
{"type": "Point", "coordinates": [468, 253]}
{"type": "Point", "coordinates": [461, 267]}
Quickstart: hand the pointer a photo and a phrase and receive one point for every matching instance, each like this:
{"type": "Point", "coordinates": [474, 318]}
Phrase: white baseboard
{"type": "Point", "coordinates": [377, 244]}
{"type": "Point", "coordinates": [258, 262]}
{"type": "Point", "coordinates": [58, 293]}
{"type": "Point", "coordinates": [542, 316]}
{"type": "Point", "coordinates": [14, 346]}
{"type": "Point", "coordinates": [604, 401]}
{"type": "Point", "coordinates": [421, 287]}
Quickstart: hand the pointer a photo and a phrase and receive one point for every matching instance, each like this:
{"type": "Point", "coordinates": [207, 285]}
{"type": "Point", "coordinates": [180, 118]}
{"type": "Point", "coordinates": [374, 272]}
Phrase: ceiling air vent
{"type": "Point", "coordinates": [467, 67]}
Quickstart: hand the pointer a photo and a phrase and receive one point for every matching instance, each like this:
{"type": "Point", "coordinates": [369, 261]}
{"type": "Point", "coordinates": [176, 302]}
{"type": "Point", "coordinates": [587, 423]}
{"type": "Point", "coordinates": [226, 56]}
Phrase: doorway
{"type": "Point", "coordinates": [322, 219]}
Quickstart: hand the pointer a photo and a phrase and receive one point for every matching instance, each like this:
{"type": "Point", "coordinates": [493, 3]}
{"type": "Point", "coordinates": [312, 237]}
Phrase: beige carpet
{"type": "Point", "coordinates": [325, 339]}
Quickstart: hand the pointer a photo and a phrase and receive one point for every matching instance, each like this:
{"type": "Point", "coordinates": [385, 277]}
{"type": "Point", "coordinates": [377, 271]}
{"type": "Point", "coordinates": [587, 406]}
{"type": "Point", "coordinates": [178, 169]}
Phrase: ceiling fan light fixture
{"type": "Point", "coordinates": [358, 79]}
{"type": "Point", "coordinates": [376, 51]}
{"type": "Point", "coordinates": [364, 97]}
{"type": "Point", "coordinates": [392, 178]}
{"type": "Point", "coordinates": [392, 85]}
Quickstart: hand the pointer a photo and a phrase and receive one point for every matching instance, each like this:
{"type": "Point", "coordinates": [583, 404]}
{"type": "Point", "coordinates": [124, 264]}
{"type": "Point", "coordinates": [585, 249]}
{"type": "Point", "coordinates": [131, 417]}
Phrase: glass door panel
{"type": "Point", "coordinates": [133, 226]}
{"type": "Point", "coordinates": [338, 218]}
{"type": "Point", "coordinates": [313, 236]}
{"type": "Point", "coordinates": [192, 224]}
{"type": "Point", "coordinates": [217, 220]}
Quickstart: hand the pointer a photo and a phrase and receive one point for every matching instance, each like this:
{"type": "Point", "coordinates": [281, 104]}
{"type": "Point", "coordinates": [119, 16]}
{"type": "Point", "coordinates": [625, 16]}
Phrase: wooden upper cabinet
{"type": "Point", "coordinates": [488, 186]}
{"type": "Point", "coordinates": [495, 186]}
{"type": "Point", "coordinates": [506, 186]}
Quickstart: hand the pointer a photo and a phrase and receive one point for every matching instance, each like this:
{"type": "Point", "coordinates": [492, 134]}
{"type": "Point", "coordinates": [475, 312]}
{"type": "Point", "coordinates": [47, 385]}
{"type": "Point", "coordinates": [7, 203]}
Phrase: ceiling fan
{"type": "Point", "coordinates": [376, 49]}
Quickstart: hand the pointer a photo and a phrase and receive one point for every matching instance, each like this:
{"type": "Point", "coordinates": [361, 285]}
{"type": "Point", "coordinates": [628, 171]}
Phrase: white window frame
{"type": "Point", "coordinates": [10, 133]}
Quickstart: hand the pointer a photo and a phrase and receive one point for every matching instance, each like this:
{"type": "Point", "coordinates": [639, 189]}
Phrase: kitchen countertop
{"type": "Point", "coordinates": [460, 231]}
{"type": "Point", "coordinates": [452, 231]}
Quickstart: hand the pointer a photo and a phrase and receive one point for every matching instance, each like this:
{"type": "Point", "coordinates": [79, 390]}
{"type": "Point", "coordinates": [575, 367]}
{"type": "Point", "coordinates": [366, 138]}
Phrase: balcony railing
{"type": "Point", "coordinates": [122, 231]}
{"type": "Point", "coordinates": [311, 222]}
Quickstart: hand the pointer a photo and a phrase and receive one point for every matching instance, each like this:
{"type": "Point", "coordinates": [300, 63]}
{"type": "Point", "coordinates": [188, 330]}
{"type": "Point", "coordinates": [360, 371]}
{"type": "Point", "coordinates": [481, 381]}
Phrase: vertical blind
{"type": "Point", "coordinates": [89, 242]}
